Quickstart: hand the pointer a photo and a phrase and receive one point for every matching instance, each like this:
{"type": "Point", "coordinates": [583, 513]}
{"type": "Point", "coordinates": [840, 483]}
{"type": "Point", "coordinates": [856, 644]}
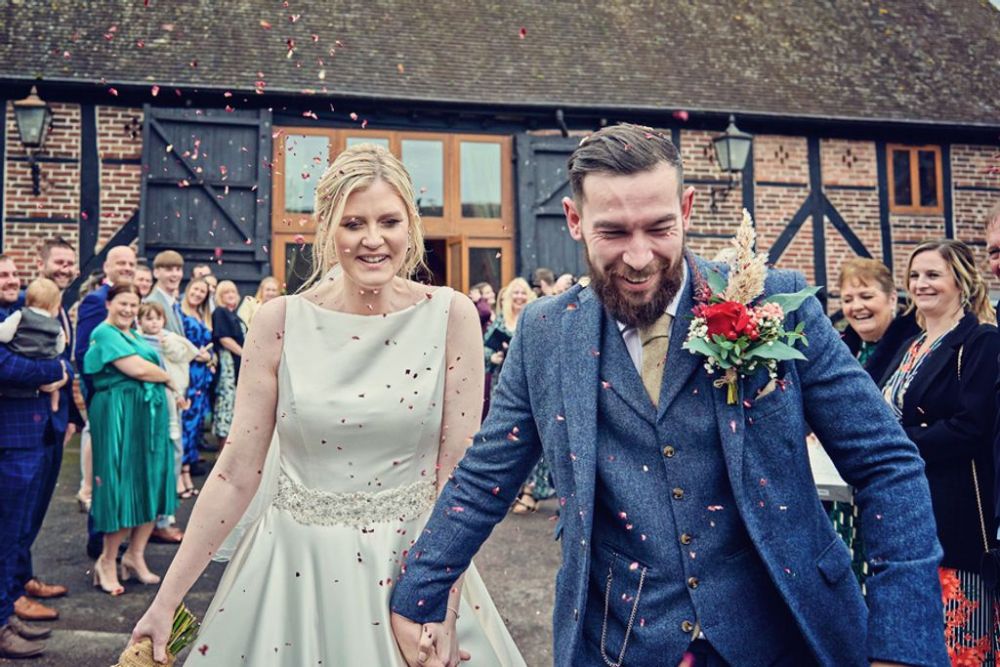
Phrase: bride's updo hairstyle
{"type": "Point", "coordinates": [356, 169]}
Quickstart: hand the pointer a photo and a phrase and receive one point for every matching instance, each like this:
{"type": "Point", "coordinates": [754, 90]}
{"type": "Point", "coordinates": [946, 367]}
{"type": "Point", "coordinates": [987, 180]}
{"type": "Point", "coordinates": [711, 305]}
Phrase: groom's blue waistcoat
{"type": "Point", "coordinates": [761, 547]}
{"type": "Point", "coordinates": [668, 542]}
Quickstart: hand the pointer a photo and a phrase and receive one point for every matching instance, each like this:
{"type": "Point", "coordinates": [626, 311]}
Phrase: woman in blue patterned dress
{"type": "Point", "coordinates": [198, 329]}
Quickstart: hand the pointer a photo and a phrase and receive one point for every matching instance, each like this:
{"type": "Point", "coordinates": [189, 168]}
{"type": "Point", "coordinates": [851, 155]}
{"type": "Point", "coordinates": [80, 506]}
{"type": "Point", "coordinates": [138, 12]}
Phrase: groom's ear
{"type": "Point", "coordinates": [573, 221]}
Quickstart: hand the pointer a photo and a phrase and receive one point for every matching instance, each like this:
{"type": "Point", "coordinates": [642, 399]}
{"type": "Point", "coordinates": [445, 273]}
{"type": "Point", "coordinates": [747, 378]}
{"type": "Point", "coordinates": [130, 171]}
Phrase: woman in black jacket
{"type": "Point", "coordinates": [942, 390]}
{"type": "Point", "coordinates": [874, 333]}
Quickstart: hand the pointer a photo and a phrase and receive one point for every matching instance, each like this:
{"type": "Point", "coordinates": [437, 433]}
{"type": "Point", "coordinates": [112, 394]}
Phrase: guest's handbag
{"type": "Point", "coordinates": [989, 564]}
{"type": "Point", "coordinates": [498, 340]}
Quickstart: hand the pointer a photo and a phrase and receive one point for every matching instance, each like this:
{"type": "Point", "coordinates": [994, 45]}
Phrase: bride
{"type": "Point", "coordinates": [372, 386]}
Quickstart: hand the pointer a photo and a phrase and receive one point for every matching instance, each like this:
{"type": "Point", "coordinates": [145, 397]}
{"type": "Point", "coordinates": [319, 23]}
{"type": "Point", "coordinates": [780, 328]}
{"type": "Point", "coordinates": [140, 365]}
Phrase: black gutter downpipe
{"type": "Point", "coordinates": [561, 122]}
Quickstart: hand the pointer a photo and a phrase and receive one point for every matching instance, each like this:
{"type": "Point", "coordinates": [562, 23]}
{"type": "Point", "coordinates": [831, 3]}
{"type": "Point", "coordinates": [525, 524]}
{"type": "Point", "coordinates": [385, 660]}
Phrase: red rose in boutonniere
{"type": "Point", "coordinates": [728, 319]}
{"type": "Point", "coordinates": [735, 331]}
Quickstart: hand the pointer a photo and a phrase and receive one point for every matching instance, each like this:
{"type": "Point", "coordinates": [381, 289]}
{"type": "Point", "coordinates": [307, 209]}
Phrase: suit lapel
{"type": "Point", "coordinates": [680, 362]}
{"type": "Point", "coordinates": [580, 362]}
{"type": "Point", "coordinates": [619, 372]}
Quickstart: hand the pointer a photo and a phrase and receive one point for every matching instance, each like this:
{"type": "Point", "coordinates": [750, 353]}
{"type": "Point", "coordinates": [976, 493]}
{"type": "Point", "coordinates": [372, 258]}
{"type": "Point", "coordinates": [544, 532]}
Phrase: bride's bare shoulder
{"type": "Point", "coordinates": [267, 331]}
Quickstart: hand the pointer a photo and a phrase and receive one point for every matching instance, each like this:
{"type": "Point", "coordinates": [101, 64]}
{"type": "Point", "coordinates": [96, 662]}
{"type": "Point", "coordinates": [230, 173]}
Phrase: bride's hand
{"type": "Point", "coordinates": [156, 624]}
{"type": "Point", "coordinates": [447, 643]}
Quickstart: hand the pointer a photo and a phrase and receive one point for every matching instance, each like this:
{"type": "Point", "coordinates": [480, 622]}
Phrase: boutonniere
{"type": "Point", "coordinates": [736, 333]}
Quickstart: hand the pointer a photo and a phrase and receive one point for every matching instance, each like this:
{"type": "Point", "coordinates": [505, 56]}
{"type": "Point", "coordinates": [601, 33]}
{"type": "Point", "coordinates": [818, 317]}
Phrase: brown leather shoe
{"type": "Point", "coordinates": [13, 645]}
{"type": "Point", "coordinates": [169, 535]}
{"type": "Point", "coordinates": [38, 589]}
{"type": "Point", "coordinates": [30, 632]}
{"type": "Point", "coordinates": [33, 610]}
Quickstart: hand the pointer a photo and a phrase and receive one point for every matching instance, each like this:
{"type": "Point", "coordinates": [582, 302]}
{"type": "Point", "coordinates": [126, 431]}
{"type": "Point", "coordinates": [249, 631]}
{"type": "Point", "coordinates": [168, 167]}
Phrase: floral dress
{"type": "Point", "coordinates": [226, 324]}
{"type": "Point", "coordinates": [200, 374]}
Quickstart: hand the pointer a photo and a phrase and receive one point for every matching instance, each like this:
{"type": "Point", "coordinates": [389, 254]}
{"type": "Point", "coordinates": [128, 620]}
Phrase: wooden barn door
{"type": "Point", "coordinates": [542, 182]}
{"type": "Point", "coordinates": [206, 190]}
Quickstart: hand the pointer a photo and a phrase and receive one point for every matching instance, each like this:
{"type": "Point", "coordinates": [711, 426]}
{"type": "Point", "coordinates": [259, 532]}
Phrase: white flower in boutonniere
{"type": "Point", "coordinates": [737, 334]}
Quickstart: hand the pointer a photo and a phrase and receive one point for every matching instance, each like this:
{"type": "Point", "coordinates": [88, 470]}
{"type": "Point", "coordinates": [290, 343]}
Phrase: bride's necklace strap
{"type": "Point", "coordinates": [358, 509]}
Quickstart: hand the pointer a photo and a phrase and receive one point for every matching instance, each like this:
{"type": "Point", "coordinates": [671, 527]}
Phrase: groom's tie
{"type": "Point", "coordinates": [655, 342]}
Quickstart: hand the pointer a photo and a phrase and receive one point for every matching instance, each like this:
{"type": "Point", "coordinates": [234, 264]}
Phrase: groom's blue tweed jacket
{"type": "Point", "coordinates": [549, 399]}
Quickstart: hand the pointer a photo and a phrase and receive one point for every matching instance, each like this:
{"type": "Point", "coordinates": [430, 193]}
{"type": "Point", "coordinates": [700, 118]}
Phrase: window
{"type": "Point", "coordinates": [305, 159]}
{"type": "Point", "coordinates": [425, 161]}
{"type": "Point", "coordinates": [463, 186]}
{"type": "Point", "coordinates": [915, 179]}
{"type": "Point", "coordinates": [481, 179]}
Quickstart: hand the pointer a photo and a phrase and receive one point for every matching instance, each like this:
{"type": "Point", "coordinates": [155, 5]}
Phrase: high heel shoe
{"type": "Point", "coordinates": [83, 502]}
{"type": "Point", "coordinates": [98, 583]}
{"type": "Point", "coordinates": [127, 570]}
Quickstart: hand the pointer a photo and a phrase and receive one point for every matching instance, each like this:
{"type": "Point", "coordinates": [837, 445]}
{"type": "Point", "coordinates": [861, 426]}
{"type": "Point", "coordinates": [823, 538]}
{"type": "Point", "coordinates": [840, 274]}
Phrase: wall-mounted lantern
{"type": "Point", "coordinates": [34, 118]}
{"type": "Point", "coordinates": [732, 148]}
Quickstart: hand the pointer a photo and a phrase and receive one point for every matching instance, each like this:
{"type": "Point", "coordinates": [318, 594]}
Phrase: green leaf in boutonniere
{"type": "Point", "coordinates": [790, 302]}
{"type": "Point", "coordinates": [715, 281]}
{"type": "Point", "coordinates": [775, 350]}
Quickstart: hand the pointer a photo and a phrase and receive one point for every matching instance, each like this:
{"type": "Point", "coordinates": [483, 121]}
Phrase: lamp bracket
{"type": "Point", "coordinates": [719, 193]}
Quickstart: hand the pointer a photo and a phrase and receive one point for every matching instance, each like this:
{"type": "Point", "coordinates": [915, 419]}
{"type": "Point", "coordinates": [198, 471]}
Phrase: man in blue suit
{"type": "Point", "coordinates": [57, 261]}
{"type": "Point", "coordinates": [27, 427]}
{"type": "Point", "coordinates": [689, 525]}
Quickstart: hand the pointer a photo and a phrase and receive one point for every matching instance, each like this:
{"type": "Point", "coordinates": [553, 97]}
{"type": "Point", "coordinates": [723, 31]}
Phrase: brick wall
{"type": "Point", "coordinates": [701, 168]}
{"type": "Point", "coordinates": [119, 144]}
{"type": "Point", "coordinates": [974, 167]}
{"type": "Point", "coordinates": [30, 219]}
{"type": "Point", "coordinates": [781, 172]}
{"type": "Point", "coordinates": [119, 148]}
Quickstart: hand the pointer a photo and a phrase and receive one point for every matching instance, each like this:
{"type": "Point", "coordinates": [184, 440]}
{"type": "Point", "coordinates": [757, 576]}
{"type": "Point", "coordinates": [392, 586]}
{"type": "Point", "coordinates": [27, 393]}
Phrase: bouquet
{"type": "Point", "coordinates": [183, 632]}
{"type": "Point", "coordinates": [734, 331]}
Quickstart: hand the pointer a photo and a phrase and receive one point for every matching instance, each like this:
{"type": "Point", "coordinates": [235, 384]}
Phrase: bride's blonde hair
{"type": "Point", "coordinates": [356, 169]}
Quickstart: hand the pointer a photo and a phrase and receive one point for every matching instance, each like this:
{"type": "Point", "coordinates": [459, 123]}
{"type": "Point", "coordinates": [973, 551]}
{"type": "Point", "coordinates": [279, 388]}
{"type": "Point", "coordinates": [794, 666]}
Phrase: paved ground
{"type": "Point", "coordinates": [518, 564]}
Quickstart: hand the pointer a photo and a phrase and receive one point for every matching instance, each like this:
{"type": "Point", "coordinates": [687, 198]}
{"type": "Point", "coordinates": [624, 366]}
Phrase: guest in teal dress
{"type": "Point", "coordinates": [133, 453]}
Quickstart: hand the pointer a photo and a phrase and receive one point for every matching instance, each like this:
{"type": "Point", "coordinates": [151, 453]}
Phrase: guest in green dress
{"type": "Point", "coordinates": [133, 454]}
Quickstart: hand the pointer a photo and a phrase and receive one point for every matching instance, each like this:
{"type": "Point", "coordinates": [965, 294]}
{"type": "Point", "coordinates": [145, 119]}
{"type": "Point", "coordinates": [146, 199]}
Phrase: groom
{"type": "Point", "coordinates": [688, 525]}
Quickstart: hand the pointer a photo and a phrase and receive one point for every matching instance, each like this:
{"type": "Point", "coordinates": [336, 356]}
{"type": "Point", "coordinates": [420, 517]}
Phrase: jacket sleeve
{"type": "Point", "coordinates": [88, 316]}
{"type": "Point", "coordinates": [870, 450]}
{"type": "Point", "coordinates": [477, 496]}
{"type": "Point", "coordinates": [965, 433]}
{"type": "Point", "coordinates": [24, 372]}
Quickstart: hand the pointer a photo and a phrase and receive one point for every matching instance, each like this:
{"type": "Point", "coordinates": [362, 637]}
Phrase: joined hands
{"type": "Point", "coordinates": [428, 644]}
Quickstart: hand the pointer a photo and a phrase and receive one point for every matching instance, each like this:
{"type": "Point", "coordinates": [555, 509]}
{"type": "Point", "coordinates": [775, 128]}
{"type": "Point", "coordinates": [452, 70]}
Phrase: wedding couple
{"type": "Point", "coordinates": [688, 525]}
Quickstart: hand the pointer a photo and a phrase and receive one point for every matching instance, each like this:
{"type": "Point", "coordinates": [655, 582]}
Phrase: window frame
{"type": "Point", "coordinates": [471, 232]}
{"type": "Point", "coordinates": [914, 151]}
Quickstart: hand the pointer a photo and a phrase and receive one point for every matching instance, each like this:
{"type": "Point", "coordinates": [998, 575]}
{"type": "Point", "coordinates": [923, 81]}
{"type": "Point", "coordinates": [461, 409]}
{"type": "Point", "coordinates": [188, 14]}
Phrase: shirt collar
{"type": "Point", "coordinates": [671, 307]}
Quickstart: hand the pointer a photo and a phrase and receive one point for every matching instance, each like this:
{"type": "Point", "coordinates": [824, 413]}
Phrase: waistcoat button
{"type": "Point", "coordinates": [668, 451]}
{"type": "Point", "coordinates": [693, 583]}
{"type": "Point", "coordinates": [685, 538]}
{"type": "Point", "coordinates": [678, 493]}
{"type": "Point", "coordinates": [687, 627]}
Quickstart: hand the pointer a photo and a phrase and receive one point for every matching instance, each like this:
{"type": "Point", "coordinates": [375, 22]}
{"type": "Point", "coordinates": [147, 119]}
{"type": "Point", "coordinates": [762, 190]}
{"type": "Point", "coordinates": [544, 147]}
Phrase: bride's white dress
{"type": "Point", "coordinates": [358, 426]}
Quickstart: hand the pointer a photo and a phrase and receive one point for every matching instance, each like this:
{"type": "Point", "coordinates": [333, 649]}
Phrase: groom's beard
{"type": "Point", "coordinates": [625, 309]}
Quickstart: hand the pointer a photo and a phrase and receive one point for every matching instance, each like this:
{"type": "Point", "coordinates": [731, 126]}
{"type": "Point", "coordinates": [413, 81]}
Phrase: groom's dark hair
{"type": "Point", "coordinates": [622, 150]}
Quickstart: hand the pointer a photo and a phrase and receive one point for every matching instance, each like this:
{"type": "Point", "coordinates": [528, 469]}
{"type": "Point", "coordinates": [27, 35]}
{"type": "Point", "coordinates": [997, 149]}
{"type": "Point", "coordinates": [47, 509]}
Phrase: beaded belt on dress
{"type": "Point", "coordinates": [358, 509]}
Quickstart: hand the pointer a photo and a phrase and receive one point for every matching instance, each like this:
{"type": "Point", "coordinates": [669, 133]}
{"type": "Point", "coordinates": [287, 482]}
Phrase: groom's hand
{"type": "Point", "coordinates": [416, 642]}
